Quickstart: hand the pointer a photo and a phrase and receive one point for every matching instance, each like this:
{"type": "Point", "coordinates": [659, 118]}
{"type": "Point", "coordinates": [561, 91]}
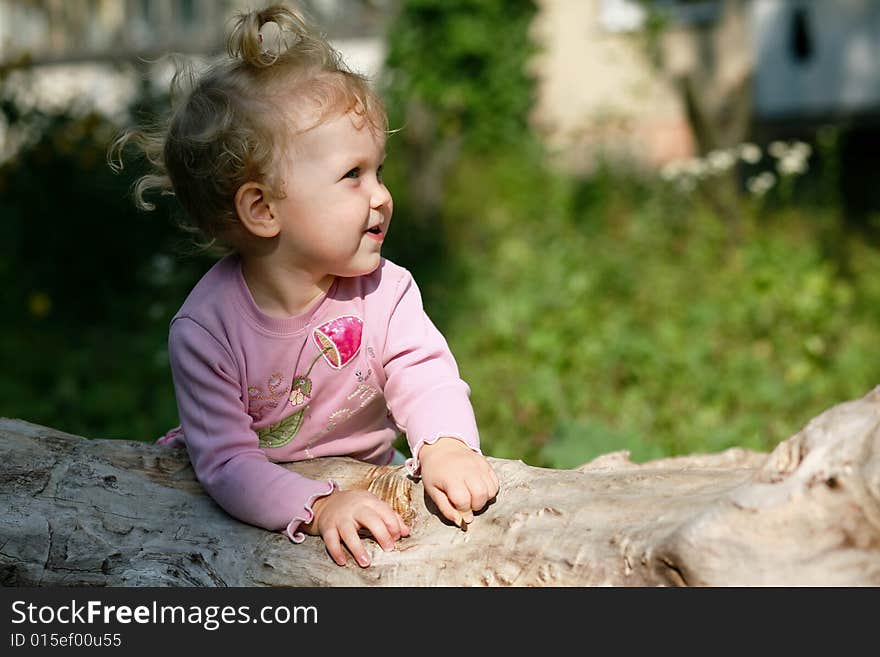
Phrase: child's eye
{"type": "Point", "coordinates": [353, 173]}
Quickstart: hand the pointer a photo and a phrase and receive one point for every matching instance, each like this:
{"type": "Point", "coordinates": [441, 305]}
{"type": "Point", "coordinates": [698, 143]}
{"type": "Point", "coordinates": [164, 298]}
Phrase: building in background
{"type": "Point", "coordinates": [816, 59]}
{"type": "Point", "coordinates": [728, 70]}
{"type": "Point", "coordinates": [91, 55]}
{"type": "Point", "coordinates": [64, 31]}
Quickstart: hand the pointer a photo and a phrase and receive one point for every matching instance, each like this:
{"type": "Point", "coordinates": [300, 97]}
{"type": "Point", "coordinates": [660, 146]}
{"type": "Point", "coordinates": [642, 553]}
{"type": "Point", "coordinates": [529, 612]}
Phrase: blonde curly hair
{"type": "Point", "coordinates": [231, 124]}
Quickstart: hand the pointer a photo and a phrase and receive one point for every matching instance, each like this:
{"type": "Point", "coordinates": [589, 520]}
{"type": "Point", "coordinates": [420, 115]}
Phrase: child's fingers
{"type": "Point", "coordinates": [480, 493]}
{"type": "Point", "coordinates": [395, 524]}
{"type": "Point", "coordinates": [334, 547]}
{"type": "Point", "coordinates": [461, 497]}
{"type": "Point", "coordinates": [443, 505]}
{"type": "Point", "coordinates": [483, 488]}
{"type": "Point", "coordinates": [492, 485]}
{"type": "Point", "coordinates": [454, 504]}
{"type": "Point", "coordinates": [495, 483]}
{"type": "Point", "coordinates": [379, 526]}
{"type": "Point", "coordinates": [350, 537]}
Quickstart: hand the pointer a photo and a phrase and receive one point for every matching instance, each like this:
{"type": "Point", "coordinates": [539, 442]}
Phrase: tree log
{"type": "Point", "coordinates": [81, 512]}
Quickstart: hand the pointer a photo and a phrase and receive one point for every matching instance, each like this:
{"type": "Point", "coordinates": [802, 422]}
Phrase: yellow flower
{"type": "Point", "coordinates": [39, 304]}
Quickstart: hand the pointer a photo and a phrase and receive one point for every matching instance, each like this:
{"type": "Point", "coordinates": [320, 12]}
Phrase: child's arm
{"type": "Point", "coordinates": [223, 447]}
{"type": "Point", "coordinates": [429, 401]}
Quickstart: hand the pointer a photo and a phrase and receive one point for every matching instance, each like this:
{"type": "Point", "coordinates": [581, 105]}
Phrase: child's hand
{"type": "Point", "coordinates": [458, 479]}
{"type": "Point", "coordinates": [340, 515]}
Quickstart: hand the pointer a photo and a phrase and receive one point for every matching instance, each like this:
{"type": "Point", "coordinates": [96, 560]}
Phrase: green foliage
{"type": "Point", "coordinates": [465, 62]}
{"type": "Point", "coordinates": [616, 313]}
{"type": "Point", "coordinates": [87, 286]}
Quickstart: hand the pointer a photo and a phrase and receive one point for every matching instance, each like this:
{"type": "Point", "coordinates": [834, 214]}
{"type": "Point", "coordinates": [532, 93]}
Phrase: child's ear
{"type": "Point", "coordinates": [255, 211]}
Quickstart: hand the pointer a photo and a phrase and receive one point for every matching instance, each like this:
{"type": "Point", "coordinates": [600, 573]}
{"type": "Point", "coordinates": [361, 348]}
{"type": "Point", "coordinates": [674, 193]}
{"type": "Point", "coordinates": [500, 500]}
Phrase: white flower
{"type": "Point", "coordinates": [802, 148]}
{"type": "Point", "coordinates": [793, 163]}
{"type": "Point", "coordinates": [720, 160]}
{"type": "Point", "coordinates": [762, 183]}
{"type": "Point", "coordinates": [778, 149]}
{"type": "Point", "coordinates": [696, 167]}
{"type": "Point", "coordinates": [749, 153]}
{"type": "Point", "coordinates": [671, 171]}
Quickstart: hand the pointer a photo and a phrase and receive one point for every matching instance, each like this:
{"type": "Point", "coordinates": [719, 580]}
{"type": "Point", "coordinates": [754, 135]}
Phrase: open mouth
{"type": "Point", "coordinates": [375, 233]}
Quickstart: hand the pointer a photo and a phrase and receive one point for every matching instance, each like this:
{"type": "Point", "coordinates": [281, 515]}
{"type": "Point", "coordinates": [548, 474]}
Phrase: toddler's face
{"type": "Point", "coordinates": [337, 209]}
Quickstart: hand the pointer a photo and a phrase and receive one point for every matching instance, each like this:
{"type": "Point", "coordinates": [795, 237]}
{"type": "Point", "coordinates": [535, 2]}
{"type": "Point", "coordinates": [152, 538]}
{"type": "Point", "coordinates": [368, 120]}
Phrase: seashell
{"type": "Point", "coordinates": [391, 485]}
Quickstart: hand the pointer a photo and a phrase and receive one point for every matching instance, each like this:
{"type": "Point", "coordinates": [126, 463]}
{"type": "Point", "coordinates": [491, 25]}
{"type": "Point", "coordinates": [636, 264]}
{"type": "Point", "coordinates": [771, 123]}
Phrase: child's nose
{"type": "Point", "coordinates": [380, 196]}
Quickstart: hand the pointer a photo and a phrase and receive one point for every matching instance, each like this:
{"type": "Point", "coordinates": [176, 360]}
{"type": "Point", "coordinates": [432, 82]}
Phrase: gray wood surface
{"type": "Point", "coordinates": [121, 513]}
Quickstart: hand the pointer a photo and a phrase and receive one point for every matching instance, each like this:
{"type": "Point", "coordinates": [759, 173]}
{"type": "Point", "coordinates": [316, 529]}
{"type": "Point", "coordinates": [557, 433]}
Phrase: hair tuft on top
{"type": "Point", "coordinates": [260, 38]}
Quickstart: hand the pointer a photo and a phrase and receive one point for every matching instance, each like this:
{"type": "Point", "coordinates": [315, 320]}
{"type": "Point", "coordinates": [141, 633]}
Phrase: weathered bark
{"type": "Point", "coordinates": [99, 512]}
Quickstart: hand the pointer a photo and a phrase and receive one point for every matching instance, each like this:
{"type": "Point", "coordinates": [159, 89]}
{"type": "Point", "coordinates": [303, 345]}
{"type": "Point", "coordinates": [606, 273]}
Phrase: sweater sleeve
{"type": "Point", "coordinates": [223, 447]}
{"type": "Point", "coordinates": [424, 391]}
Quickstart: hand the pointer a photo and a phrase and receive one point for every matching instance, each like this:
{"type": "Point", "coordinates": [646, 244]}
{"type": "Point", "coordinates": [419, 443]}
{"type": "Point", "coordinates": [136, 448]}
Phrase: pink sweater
{"type": "Point", "coordinates": [339, 380]}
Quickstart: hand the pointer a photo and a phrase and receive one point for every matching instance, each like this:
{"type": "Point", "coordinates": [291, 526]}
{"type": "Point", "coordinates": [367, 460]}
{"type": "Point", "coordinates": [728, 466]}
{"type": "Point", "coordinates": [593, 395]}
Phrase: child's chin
{"type": "Point", "coordinates": [373, 266]}
{"type": "Point", "coordinates": [364, 267]}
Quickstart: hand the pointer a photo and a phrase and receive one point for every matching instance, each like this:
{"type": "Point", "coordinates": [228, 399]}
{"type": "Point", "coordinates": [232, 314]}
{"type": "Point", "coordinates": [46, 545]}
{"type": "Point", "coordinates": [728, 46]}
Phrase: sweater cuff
{"type": "Point", "coordinates": [414, 467]}
{"type": "Point", "coordinates": [293, 526]}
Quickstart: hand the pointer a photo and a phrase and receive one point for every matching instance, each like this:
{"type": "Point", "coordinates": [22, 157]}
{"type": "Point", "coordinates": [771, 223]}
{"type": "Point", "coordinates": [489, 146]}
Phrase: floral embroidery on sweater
{"type": "Point", "coordinates": [338, 341]}
{"type": "Point", "coordinates": [281, 433]}
{"type": "Point", "coordinates": [259, 402]}
{"type": "Point", "coordinates": [362, 397]}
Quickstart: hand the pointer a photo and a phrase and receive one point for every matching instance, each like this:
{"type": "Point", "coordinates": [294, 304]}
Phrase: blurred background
{"type": "Point", "coordinates": [651, 226]}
